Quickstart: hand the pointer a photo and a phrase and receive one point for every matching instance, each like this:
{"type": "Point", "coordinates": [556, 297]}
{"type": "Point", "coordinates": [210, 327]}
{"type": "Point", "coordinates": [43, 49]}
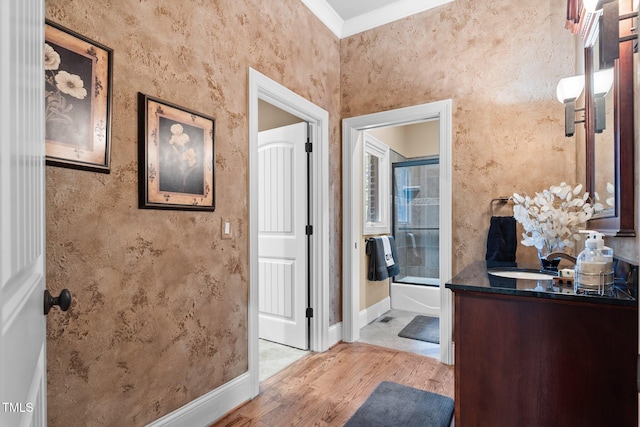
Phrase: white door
{"type": "Point", "coordinates": [22, 254]}
{"type": "Point", "coordinates": [282, 254]}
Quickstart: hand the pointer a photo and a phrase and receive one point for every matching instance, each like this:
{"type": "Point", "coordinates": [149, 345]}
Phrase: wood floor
{"type": "Point", "coordinates": [325, 389]}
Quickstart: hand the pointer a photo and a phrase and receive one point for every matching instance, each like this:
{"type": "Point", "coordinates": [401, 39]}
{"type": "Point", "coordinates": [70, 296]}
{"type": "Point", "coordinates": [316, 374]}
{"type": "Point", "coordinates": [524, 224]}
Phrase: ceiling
{"type": "Point", "coordinates": [348, 17]}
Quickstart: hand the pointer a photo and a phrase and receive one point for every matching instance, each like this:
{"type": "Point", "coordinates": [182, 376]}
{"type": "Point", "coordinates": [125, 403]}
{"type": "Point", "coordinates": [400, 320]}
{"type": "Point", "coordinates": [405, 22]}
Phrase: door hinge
{"type": "Point", "coordinates": [308, 147]}
{"type": "Point", "coordinates": [309, 312]}
{"type": "Point", "coordinates": [309, 230]}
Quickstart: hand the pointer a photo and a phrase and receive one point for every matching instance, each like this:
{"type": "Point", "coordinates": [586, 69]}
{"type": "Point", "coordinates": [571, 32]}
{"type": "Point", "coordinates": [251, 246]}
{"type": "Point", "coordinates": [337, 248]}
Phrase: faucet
{"type": "Point", "coordinates": [554, 255]}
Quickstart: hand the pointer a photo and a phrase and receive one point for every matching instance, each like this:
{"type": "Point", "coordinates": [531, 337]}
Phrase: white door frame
{"type": "Point", "coordinates": [262, 87]}
{"type": "Point", "coordinates": [352, 236]}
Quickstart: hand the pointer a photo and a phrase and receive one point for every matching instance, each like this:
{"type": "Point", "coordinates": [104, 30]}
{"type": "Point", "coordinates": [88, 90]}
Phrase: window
{"type": "Point", "coordinates": [375, 162]}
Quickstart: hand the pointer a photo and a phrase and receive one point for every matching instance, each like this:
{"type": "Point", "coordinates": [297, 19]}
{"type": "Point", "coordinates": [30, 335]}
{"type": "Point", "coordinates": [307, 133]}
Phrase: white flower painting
{"type": "Point", "coordinates": [77, 98]}
{"type": "Point", "coordinates": [61, 89]}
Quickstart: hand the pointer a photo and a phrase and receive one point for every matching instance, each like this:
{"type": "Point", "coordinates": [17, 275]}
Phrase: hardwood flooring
{"type": "Point", "coordinates": [325, 389]}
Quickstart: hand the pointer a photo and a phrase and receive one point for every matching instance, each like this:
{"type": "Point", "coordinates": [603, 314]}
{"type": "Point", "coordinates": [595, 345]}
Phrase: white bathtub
{"type": "Point", "coordinates": [417, 298]}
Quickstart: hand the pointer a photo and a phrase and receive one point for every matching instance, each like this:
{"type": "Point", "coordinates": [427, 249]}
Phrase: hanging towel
{"type": "Point", "coordinates": [501, 242]}
{"type": "Point", "coordinates": [388, 256]}
{"type": "Point", "coordinates": [377, 267]}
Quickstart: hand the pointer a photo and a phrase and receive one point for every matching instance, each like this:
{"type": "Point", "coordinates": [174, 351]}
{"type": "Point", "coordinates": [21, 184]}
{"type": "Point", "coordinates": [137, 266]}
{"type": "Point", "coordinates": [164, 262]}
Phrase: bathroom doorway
{"type": "Point", "coordinates": [353, 317]}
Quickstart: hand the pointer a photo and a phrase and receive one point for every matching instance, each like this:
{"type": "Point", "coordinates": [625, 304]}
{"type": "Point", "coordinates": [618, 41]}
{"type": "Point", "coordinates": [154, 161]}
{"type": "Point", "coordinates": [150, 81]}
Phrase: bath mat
{"type": "Point", "coordinates": [393, 404]}
{"type": "Point", "coordinates": [422, 328]}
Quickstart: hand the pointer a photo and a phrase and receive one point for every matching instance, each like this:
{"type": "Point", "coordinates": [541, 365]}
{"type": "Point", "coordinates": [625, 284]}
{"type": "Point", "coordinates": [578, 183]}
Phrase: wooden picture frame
{"type": "Point", "coordinates": [78, 82]}
{"type": "Point", "coordinates": [176, 157]}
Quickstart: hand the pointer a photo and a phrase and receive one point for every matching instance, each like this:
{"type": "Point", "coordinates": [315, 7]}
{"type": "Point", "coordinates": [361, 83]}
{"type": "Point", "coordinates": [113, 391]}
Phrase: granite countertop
{"type": "Point", "coordinates": [476, 278]}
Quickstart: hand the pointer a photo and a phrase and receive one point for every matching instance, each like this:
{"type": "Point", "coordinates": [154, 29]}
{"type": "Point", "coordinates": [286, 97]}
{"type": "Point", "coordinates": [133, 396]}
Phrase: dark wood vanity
{"type": "Point", "coordinates": [532, 353]}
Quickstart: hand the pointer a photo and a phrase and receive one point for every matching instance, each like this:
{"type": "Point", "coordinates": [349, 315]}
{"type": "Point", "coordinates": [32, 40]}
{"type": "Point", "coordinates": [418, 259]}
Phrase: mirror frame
{"type": "Point", "coordinates": [622, 223]}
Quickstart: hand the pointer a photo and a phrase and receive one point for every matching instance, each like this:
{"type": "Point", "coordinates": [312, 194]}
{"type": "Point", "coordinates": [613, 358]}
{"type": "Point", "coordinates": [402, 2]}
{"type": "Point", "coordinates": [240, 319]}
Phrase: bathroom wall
{"type": "Point", "coordinates": [271, 117]}
{"type": "Point", "coordinates": [159, 316]}
{"type": "Point", "coordinates": [499, 61]}
{"type": "Point", "coordinates": [415, 140]}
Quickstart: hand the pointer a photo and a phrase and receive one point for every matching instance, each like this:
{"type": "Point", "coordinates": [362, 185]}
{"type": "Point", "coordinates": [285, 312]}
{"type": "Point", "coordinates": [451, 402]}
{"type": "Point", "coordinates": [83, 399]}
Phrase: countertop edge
{"type": "Point", "coordinates": [587, 299]}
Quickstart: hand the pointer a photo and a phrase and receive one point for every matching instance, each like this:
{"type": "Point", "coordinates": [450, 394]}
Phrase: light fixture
{"type": "Point", "coordinates": [568, 90]}
{"type": "Point", "coordinates": [602, 82]}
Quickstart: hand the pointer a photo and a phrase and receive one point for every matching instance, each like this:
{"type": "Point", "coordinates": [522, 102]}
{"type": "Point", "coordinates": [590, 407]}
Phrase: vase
{"type": "Point", "coordinates": [548, 264]}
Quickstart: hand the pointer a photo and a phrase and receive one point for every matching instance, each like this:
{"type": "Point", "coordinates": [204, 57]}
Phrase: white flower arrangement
{"type": "Point", "coordinates": [552, 218]}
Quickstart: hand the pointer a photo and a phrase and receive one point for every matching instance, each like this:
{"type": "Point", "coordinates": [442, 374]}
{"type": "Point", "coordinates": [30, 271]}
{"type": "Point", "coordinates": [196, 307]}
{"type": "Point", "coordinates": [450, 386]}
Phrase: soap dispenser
{"type": "Point", "coordinates": [594, 267]}
{"type": "Point", "coordinates": [605, 251]}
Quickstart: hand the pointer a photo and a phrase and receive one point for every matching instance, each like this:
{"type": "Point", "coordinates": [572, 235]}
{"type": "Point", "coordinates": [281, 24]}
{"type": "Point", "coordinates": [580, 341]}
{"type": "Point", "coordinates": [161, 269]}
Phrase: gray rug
{"type": "Point", "coordinates": [422, 328]}
{"type": "Point", "coordinates": [393, 404]}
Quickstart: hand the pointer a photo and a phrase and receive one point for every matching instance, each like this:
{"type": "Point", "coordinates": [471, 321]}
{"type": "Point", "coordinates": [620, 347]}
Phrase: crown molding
{"type": "Point", "coordinates": [326, 14]}
{"type": "Point", "coordinates": [384, 15]}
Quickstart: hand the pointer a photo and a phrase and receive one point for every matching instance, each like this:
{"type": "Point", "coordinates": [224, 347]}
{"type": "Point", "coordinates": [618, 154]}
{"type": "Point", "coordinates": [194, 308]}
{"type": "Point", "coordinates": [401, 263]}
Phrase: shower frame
{"type": "Point", "coordinates": [409, 163]}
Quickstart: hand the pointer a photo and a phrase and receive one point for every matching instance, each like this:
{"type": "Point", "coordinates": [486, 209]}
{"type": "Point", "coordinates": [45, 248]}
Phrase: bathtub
{"type": "Point", "coordinates": [417, 298]}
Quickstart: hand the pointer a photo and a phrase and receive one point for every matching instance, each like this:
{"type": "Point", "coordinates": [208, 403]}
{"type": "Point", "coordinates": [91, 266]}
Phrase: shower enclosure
{"type": "Point", "coordinates": [416, 220]}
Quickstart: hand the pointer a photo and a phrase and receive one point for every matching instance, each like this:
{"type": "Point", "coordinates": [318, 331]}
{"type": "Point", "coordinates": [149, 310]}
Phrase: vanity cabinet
{"type": "Point", "coordinates": [523, 359]}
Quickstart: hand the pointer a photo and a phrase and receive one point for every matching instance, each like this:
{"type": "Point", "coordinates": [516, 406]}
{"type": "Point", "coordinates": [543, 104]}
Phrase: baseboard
{"type": "Point", "coordinates": [335, 334]}
{"type": "Point", "coordinates": [206, 409]}
{"type": "Point", "coordinates": [366, 316]}
{"type": "Point", "coordinates": [370, 314]}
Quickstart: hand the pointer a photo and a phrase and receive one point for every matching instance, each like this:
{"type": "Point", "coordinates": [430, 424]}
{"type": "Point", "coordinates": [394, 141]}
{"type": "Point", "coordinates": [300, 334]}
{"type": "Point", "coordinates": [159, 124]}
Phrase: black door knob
{"type": "Point", "coordinates": [63, 300]}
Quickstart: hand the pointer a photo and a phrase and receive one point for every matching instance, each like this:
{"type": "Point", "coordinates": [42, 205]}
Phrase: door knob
{"type": "Point", "coordinates": [63, 300]}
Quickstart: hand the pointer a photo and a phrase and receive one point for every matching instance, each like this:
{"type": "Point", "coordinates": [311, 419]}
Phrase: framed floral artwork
{"type": "Point", "coordinates": [176, 157]}
{"type": "Point", "coordinates": [77, 100]}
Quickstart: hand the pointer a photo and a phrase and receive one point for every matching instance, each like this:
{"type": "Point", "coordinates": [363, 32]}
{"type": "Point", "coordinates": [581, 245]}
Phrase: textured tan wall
{"type": "Point", "coordinates": [499, 61]}
{"type": "Point", "coordinates": [159, 316]}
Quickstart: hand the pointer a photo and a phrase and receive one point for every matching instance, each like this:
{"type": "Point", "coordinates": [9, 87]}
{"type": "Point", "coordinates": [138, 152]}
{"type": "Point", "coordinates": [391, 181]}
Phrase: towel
{"type": "Point", "coordinates": [388, 256]}
{"type": "Point", "coordinates": [501, 242]}
{"type": "Point", "coordinates": [377, 267]}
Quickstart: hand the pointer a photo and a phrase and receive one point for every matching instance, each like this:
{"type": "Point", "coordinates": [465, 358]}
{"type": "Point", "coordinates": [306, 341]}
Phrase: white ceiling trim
{"type": "Point", "coordinates": [326, 14]}
{"type": "Point", "coordinates": [384, 15]}
{"type": "Point", "coordinates": [375, 18]}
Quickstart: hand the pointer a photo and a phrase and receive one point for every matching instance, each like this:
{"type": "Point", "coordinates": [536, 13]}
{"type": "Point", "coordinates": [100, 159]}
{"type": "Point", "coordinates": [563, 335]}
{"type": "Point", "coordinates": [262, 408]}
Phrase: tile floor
{"type": "Point", "coordinates": [385, 334]}
{"type": "Point", "coordinates": [275, 357]}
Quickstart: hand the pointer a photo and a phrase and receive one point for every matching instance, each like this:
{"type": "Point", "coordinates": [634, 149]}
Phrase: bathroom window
{"type": "Point", "coordinates": [375, 180]}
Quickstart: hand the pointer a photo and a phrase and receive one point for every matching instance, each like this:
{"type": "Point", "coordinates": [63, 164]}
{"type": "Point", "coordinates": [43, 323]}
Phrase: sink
{"type": "Point", "coordinates": [522, 274]}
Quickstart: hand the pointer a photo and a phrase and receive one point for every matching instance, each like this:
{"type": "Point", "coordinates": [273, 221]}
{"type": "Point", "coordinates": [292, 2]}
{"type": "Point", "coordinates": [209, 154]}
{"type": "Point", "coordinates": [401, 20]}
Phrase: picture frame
{"type": "Point", "coordinates": [78, 88]}
{"type": "Point", "coordinates": [176, 157]}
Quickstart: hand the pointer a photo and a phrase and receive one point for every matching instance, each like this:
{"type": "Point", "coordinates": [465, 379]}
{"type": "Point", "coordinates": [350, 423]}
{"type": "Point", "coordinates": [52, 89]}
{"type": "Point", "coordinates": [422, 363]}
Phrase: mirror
{"type": "Point", "coordinates": [609, 155]}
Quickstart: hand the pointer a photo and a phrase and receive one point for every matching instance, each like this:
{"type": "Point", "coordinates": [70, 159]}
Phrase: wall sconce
{"type": "Point", "coordinates": [568, 90]}
{"type": "Point", "coordinates": [602, 82]}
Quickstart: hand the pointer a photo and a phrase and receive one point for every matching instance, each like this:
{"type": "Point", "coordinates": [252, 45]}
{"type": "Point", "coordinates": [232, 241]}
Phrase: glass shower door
{"type": "Point", "coordinates": [416, 221]}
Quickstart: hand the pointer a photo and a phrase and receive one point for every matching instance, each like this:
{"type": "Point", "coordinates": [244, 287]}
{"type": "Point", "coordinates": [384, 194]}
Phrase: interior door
{"type": "Point", "coordinates": [282, 254]}
{"type": "Point", "coordinates": [22, 254]}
